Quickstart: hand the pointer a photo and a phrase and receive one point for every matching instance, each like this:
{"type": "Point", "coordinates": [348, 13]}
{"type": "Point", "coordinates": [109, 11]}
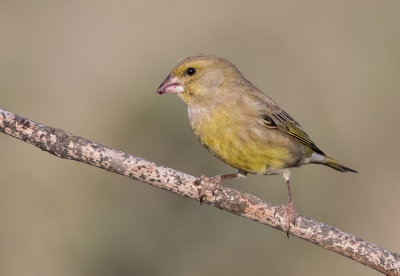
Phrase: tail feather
{"type": "Point", "coordinates": [334, 164]}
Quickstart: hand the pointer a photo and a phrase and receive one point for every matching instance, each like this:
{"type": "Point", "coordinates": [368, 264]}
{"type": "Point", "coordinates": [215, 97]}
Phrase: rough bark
{"type": "Point", "coordinates": [68, 146]}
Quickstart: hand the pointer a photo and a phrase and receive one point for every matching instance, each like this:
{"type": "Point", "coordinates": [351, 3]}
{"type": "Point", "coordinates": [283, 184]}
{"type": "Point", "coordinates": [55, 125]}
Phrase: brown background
{"type": "Point", "coordinates": [92, 68]}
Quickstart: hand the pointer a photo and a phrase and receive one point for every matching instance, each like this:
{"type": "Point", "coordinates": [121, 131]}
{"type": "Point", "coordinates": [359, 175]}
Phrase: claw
{"type": "Point", "coordinates": [213, 183]}
{"type": "Point", "coordinates": [201, 198]}
{"type": "Point", "coordinates": [210, 184]}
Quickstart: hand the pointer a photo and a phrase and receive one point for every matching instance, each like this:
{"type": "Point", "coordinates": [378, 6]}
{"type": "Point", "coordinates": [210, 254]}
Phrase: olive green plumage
{"type": "Point", "coordinates": [239, 124]}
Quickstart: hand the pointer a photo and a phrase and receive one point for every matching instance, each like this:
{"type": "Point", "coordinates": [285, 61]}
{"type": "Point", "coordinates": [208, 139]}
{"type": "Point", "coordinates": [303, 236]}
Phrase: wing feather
{"type": "Point", "coordinates": [285, 123]}
{"type": "Point", "coordinates": [275, 117]}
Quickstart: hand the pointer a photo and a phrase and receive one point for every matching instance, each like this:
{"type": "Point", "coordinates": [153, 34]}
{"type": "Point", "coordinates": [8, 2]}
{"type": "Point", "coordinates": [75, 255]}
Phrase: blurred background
{"type": "Point", "coordinates": [92, 68]}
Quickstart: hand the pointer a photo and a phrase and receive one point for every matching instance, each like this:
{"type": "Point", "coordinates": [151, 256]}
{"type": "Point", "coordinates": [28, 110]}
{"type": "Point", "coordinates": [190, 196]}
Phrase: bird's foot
{"type": "Point", "coordinates": [290, 214]}
{"type": "Point", "coordinates": [209, 184]}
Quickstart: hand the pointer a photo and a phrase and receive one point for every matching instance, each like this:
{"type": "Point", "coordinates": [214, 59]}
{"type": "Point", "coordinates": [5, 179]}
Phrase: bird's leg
{"type": "Point", "coordinates": [290, 210]}
{"type": "Point", "coordinates": [215, 181]}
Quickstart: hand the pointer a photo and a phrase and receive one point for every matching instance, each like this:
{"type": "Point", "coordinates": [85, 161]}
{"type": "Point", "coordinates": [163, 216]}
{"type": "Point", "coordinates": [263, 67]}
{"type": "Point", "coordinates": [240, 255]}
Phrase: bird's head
{"type": "Point", "coordinates": [200, 78]}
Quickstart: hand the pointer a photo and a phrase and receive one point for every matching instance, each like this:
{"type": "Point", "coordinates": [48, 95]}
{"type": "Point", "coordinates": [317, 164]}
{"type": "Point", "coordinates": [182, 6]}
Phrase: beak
{"type": "Point", "coordinates": [170, 85]}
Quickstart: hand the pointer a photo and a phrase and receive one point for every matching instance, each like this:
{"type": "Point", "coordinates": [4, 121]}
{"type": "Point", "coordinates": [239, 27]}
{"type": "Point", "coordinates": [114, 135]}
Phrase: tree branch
{"type": "Point", "coordinates": [68, 146]}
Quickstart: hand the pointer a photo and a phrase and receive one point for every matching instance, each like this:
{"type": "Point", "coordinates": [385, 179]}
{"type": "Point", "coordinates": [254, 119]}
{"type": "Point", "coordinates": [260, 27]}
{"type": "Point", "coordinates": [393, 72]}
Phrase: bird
{"type": "Point", "coordinates": [240, 125]}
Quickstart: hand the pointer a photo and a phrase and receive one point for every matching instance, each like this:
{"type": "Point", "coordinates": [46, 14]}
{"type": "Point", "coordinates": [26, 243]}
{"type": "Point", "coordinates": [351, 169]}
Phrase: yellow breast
{"type": "Point", "coordinates": [241, 142]}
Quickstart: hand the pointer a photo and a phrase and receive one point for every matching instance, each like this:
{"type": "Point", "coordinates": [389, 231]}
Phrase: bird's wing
{"type": "Point", "coordinates": [285, 123]}
{"type": "Point", "coordinates": [275, 117]}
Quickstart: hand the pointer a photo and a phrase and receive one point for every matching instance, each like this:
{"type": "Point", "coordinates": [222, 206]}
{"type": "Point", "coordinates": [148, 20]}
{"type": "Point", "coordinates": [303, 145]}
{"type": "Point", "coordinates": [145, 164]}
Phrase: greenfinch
{"type": "Point", "coordinates": [239, 124]}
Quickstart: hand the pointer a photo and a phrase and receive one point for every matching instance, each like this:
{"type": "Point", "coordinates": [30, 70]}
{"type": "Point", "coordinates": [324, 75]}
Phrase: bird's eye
{"type": "Point", "coordinates": [191, 71]}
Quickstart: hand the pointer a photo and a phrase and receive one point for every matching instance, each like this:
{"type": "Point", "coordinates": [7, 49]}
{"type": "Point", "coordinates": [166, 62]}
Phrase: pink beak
{"type": "Point", "coordinates": [170, 85]}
